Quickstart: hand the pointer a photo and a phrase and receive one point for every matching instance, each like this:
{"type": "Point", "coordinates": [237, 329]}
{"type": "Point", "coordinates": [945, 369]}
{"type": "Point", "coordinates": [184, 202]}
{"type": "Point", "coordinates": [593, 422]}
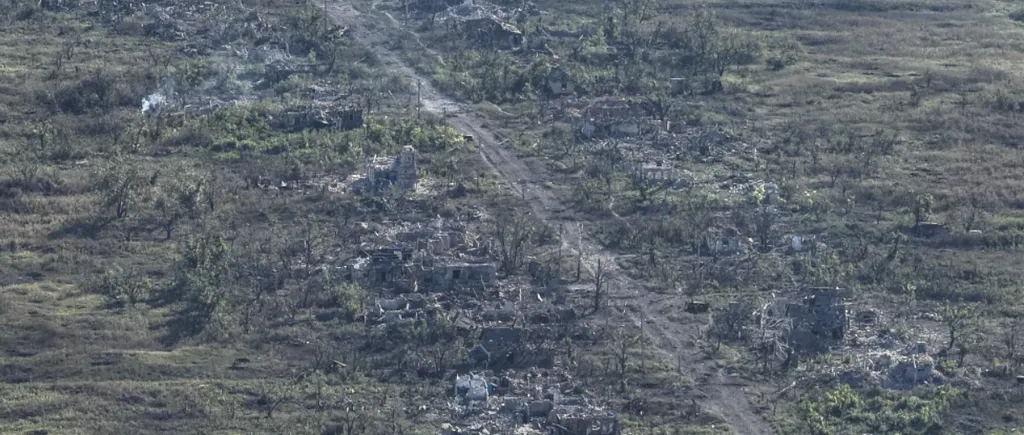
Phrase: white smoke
{"type": "Point", "coordinates": [153, 103]}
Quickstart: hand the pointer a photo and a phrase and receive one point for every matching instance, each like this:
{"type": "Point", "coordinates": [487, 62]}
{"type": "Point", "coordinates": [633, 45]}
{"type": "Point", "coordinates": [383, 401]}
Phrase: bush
{"type": "Point", "coordinates": [100, 92]}
{"type": "Point", "coordinates": [349, 298]}
{"type": "Point", "coordinates": [783, 52]}
{"type": "Point", "coordinates": [1017, 15]}
{"type": "Point", "coordinates": [123, 287]}
{"type": "Point", "coordinates": [877, 411]}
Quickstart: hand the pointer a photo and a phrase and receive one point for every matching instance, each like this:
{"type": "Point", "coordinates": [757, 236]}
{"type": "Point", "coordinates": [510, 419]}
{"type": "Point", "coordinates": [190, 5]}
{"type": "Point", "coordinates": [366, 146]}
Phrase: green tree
{"type": "Point", "coordinates": [120, 184]}
{"type": "Point", "coordinates": [180, 199]}
{"type": "Point", "coordinates": [201, 284]}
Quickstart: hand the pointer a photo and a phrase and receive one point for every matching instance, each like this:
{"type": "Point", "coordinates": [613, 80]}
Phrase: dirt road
{"type": "Point", "coordinates": [674, 341]}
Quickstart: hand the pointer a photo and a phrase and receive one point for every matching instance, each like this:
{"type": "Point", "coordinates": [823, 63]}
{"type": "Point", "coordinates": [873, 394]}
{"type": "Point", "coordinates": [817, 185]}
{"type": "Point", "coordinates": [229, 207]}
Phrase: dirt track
{"type": "Point", "coordinates": [676, 342]}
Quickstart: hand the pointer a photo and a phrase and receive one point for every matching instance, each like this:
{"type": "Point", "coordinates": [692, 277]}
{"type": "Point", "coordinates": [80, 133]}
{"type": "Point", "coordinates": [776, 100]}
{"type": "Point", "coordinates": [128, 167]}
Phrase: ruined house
{"type": "Point", "coordinates": [497, 347]}
{"type": "Point", "coordinates": [380, 266]}
{"type": "Point", "coordinates": [656, 172]}
{"type": "Point", "coordinates": [507, 347]}
{"type": "Point", "coordinates": [493, 32]}
{"type": "Point", "coordinates": [58, 5]}
{"type": "Point", "coordinates": [724, 242]}
{"type": "Point", "coordinates": [401, 173]}
{"type": "Point", "coordinates": [610, 117]}
{"type": "Point", "coordinates": [560, 83]}
{"type": "Point", "coordinates": [423, 258]}
{"type": "Point", "coordinates": [315, 118]}
{"type": "Point", "coordinates": [818, 320]}
{"type": "Point", "coordinates": [349, 119]}
{"type": "Point", "coordinates": [575, 422]}
{"type": "Point", "coordinates": [457, 274]}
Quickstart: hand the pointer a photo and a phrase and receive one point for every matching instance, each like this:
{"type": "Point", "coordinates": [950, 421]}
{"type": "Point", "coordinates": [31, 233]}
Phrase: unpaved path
{"type": "Point", "coordinates": [676, 342]}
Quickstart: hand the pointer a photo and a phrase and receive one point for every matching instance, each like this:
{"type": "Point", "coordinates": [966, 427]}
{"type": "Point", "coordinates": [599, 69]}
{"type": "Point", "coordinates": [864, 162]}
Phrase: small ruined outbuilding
{"type": "Point", "coordinates": [560, 83]}
{"type": "Point", "coordinates": [589, 426]}
{"type": "Point", "coordinates": [314, 118]}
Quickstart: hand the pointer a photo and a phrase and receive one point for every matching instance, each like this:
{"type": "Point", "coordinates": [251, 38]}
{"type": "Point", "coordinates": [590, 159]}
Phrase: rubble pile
{"type": "Point", "coordinates": [526, 402]}
{"type": "Point", "coordinates": [872, 357]}
{"type": "Point", "coordinates": [414, 261]}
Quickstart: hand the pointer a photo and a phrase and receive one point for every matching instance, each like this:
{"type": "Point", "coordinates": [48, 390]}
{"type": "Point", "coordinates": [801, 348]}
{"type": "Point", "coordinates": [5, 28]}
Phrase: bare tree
{"type": "Point", "coordinates": [969, 212]}
{"type": "Point", "coordinates": [772, 336]}
{"type": "Point", "coordinates": [728, 324]}
{"type": "Point", "coordinates": [958, 319]}
{"type": "Point", "coordinates": [512, 231]}
{"type": "Point", "coordinates": [1011, 340]}
{"type": "Point", "coordinates": [623, 343]}
{"type": "Point", "coordinates": [599, 281]}
{"type": "Point", "coordinates": [764, 225]}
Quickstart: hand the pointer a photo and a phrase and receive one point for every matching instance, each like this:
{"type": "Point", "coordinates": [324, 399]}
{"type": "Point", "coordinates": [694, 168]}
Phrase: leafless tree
{"type": "Point", "coordinates": [1011, 340]}
{"type": "Point", "coordinates": [772, 336]}
{"type": "Point", "coordinates": [969, 211]}
{"type": "Point", "coordinates": [764, 225]}
{"type": "Point", "coordinates": [512, 232]}
{"type": "Point", "coordinates": [728, 324]}
{"type": "Point", "coordinates": [599, 282]}
{"type": "Point", "coordinates": [623, 343]}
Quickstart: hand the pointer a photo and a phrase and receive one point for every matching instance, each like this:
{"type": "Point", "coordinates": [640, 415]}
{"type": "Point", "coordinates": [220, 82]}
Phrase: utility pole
{"type": "Point", "coordinates": [419, 96]}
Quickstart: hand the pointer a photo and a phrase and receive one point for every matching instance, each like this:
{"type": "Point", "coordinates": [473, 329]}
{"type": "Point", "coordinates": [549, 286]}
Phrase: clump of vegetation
{"type": "Point", "coordinates": [879, 411]}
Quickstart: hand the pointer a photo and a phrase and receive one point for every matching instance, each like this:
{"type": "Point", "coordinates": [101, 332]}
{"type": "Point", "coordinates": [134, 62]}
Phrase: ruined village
{"type": "Point", "coordinates": [448, 217]}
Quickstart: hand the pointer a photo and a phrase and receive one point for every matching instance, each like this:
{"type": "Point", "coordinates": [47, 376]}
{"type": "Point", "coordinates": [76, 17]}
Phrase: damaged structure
{"type": "Point", "coordinates": [430, 259]}
{"type": "Point", "coordinates": [506, 347]}
{"type": "Point", "coordinates": [560, 83]}
{"type": "Point", "coordinates": [486, 24]}
{"type": "Point", "coordinates": [610, 117]}
{"type": "Point", "coordinates": [400, 173]}
{"type": "Point", "coordinates": [527, 402]}
{"type": "Point", "coordinates": [491, 32]}
{"type": "Point", "coordinates": [818, 320]}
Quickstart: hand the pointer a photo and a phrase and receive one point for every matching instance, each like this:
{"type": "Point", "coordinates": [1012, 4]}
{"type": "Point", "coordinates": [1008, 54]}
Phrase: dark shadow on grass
{"type": "Point", "coordinates": [183, 325]}
{"type": "Point", "coordinates": [83, 228]}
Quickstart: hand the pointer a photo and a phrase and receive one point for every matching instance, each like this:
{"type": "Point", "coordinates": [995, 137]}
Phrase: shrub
{"type": "Point", "coordinates": [349, 298]}
{"type": "Point", "coordinates": [1017, 15]}
{"type": "Point", "coordinates": [122, 287]}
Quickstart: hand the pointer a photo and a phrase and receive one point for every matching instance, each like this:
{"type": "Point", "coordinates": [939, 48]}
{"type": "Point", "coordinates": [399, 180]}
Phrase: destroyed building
{"type": "Point", "coordinates": [509, 347]}
{"type": "Point", "coordinates": [818, 320]}
{"type": "Point", "coordinates": [560, 83]}
{"type": "Point", "coordinates": [610, 117]}
{"type": "Point", "coordinates": [401, 173]}
{"type": "Point", "coordinates": [491, 32]}
{"type": "Point", "coordinates": [431, 259]}
{"type": "Point", "coordinates": [486, 24]}
{"type": "Point", "coordinates": [316, 118]}
{"type": "Point", "coordinates": [585, 424]}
